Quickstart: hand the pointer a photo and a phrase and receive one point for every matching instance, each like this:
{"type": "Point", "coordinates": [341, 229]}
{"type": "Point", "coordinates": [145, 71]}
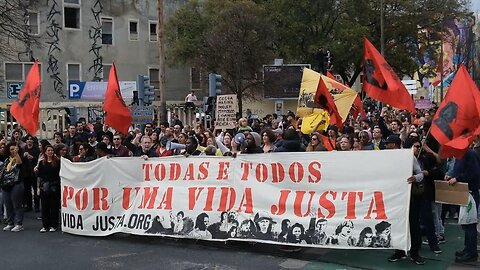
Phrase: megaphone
{"type": "Point", "coordinates": [222, 147]}
{"type": "Point", "coordinates": [174, 146]}
{"type": "Point", "coordinates": [239, 138]}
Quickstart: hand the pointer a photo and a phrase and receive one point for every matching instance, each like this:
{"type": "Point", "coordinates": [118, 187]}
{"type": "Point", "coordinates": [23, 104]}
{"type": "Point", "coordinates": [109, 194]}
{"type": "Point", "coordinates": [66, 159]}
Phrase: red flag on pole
{"type": "Point", "coordinates": [118, 115]}
{"type": "Point", "coordinates": [324, 100]}
{"type": "Point", "coordinates": [380, 81]}
{"type": "Point", "coordinates": [457, 119]}
{"type": "Point", "coordinates": [357, 105]}
{"type": "Point", "coordinates": [26, 109]}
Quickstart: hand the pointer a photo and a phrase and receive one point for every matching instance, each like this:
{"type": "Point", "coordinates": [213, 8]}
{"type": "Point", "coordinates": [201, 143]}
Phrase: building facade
{"type": "Point", "coordinates": [78, 40]}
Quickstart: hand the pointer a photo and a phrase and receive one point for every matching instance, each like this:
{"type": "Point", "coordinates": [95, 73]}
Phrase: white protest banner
{"type": "Point", "coordinates": [343, 200]}
{"type": "Point", "coordinates": [226, 111]}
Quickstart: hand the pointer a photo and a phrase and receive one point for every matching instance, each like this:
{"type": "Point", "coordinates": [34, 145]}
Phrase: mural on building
{"type": "Point", "coordinates": [459, 47]}
{"type": "Point", "coordinates": [54, 49]}
{"type": "Point", "coordinates": [95, 35]}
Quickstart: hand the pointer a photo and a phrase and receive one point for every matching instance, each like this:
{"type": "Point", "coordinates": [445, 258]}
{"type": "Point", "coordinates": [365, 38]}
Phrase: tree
{"type": "Point", "coordinates": [228, 37]}
{"type": "Point", "coordinates": [15, 34]}
{"type": "Point", "coordinates": [340, 26]}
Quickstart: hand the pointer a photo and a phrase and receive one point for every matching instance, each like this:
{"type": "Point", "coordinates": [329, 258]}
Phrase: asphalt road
{"type": "Point", "coordinates": [30, 249]}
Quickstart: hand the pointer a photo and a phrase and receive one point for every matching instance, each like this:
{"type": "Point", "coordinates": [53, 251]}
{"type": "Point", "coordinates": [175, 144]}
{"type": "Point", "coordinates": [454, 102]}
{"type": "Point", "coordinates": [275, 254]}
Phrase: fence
{"type": "Point", "coordinates": [50, 121]}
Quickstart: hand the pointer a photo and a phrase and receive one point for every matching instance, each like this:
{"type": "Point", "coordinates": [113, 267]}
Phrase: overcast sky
{"type": "Point", "coordinates": [476, 5]}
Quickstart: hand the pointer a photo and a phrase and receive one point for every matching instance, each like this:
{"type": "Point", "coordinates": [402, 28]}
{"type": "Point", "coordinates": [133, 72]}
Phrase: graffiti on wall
{"type": "Point", "coordinates": [95, 35]}
{"type": "Point", "coordinates": [54, 49]}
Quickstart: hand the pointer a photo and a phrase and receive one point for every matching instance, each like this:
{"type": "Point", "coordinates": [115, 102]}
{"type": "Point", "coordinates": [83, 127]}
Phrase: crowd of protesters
{"type": "Point", "coordinates": [37, 163]}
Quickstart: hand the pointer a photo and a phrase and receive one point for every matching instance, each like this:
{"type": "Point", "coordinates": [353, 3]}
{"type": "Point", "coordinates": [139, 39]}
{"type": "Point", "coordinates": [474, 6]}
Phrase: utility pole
{"type": "Point", "coordinates": [161, 55]}
{"type": "Point", "coordinates": [382, 29]}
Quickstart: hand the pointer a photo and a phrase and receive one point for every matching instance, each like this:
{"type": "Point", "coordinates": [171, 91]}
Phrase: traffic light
{"type": "Point", "coordinates": [214, 84]}
{"type": "Point", "coordinates": [145, 90]}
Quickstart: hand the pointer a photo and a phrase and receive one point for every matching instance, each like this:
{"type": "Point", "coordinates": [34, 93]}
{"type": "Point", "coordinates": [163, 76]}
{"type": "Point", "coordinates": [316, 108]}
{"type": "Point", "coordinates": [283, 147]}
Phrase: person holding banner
{"type": "Point", "coordinates": [393, 142]}
{"type": "Point", "coordinates": [145, 149]}
{"type": "Point", "coordinates": [191, 146]}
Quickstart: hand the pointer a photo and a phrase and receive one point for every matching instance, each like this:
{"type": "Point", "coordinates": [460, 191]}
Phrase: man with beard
{"type": "Point", "coordinates": [144, 150]}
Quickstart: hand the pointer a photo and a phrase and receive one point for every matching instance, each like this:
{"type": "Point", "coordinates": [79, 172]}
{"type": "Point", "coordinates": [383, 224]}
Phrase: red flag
{"type": "Point", "coordinates": [456, 121]}
{"type": "Point", "coordinates": [118, 115]}
{"type": "Point", "coordinates": [329, 145]}
{"type": "Point", "coordinates": [380, 81]}
{"type": "Point", "coordinates": [324, 100]}
{"type": "Point", "coordinates": [27, 107]}
{"type": "Point", "coordinates": [330, 75]}
{"type": "Point", "coordinates": [357, 108]}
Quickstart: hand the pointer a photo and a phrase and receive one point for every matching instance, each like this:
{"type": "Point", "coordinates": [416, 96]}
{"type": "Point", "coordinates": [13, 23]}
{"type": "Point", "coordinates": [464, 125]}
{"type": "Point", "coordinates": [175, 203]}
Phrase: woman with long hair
{"type": "Point", "coordinates": [49, 185]}
{"type": "Point", "coordinates": [13, 193]}
{"type": "Point", "coordinates": [316, 143]}
{"type": "Point", "coordinates": [268, 138]}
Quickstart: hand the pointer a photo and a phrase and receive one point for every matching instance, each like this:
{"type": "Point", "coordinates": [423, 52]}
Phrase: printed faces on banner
{"type": "Point", "coordinates": [309, 200]}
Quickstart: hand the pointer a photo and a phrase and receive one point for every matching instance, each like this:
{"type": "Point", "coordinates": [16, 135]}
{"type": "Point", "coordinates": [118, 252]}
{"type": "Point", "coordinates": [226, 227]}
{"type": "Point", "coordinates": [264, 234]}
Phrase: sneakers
{"type": "Point", "coordinates": [466, 258]}
{"type": "Point", "coordinates": [417, 260]}
{"type": "Point", "coordinates": [398, 255]}
{"type": "Point", "coordinates": [52, 229]}
{"type": "Point", "coordinates": [441, 239]}
{"type": "Point", "coordinates": [17, 228]}
{"type": "Point", "coordinates": [436, 249]}
{"type": "Point", "coordinates": [460, 253]}
{"type": "Point", "coordinates": [8, 228]}
{"type": "Point", "coordinates": [425, 242]}
{"type": "Point", "coordinates": [43, 230]}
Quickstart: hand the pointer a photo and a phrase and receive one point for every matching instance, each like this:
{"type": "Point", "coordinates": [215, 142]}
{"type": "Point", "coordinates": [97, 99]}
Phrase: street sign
{"type": "Point", "coordinates": [13, 88]}
{"type": "Point", "coordinates": [411, 86]}
{"type": "Point", "coordinates": [282, 81]}
{"type": "Point", "coordinates": [142, 114]}
{"type": "Point", "coordinates": [96, 90]}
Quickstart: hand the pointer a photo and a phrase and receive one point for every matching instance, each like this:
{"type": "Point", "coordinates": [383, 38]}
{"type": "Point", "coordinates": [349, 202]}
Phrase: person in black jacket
{"type": "Point", "coordinates": [428, 164]}
{"type": "Point", "coordinates": [30, 160]}
{"type": "Point", "coordinates": [291, 142]}
{"type": "Point", "coordinates": [467, 170]}
{"type": "Point", "coordinates": [49, 185]}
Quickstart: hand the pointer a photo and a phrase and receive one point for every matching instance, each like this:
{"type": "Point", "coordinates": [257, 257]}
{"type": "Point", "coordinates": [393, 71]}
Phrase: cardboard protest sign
{"type": "Point", "coordinates": [226, 111]}
{"type": "Point", "coordinates": [456, 194]}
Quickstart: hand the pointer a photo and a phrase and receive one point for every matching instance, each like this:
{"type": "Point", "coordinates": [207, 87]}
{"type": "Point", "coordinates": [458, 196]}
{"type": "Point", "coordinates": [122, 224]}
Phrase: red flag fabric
{"type": "Point", "coordinates": [457, 119]}
{"type": "Point", "coordinates": [329, 145]}
{"type": "Point", "coordinates": [118, 115]}
{"type": "Point", "coordinates": [330, 75]}
{"type": "Point", "coordinates": [26, 109]}
{"type": "Point", "coordinates": [357, 108]}
{"type": "Point", "coordinates": [380, 81]}
{"type": "Point", "coordinates": [324, 100]}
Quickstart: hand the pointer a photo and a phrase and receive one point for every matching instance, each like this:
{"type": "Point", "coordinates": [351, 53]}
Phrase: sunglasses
{"type": "Point", "coordinates": [417, 146]}
{"type": "Point", "coordinates": [116, 139]}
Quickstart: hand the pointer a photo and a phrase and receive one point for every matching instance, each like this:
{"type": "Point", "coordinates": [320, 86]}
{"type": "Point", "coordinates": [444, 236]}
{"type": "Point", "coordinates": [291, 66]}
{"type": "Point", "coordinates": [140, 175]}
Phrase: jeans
{"type": "Point", "coordinates": [30, 184]}
{"type": "Point", "coordinates": [437, 219]}
{"type": "Point", "coordinates": [13, 199]}
{"type": "Point", "coordinates": [428, 222]}
{"type": "Point", "coordinates": [471, 232]}
{"type": "Point", "coordinates": [414, 219]}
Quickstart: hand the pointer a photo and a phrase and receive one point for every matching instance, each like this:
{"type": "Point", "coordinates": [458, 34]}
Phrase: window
{"type": "Point", "coordinates": [74, 72]}
{"type": "Point", "coordinates": [106, 72]}
{"type": "Point", "coordinates": [133, 30]}
{"type": "Point", "coordinates": [34, 23]}
{"type": "Point", "coordinates": [194, 78]}
{"type": "Point", "coordinates": [107, 31]}
{"type": "Point", "coordinates": [71, 14]}
{"type": "Point", "coordinates": [153, 31]}
{"type": "Point", "coordinates": [154, 75]}
{"type": "Point", "coordinates": [17, 72]}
